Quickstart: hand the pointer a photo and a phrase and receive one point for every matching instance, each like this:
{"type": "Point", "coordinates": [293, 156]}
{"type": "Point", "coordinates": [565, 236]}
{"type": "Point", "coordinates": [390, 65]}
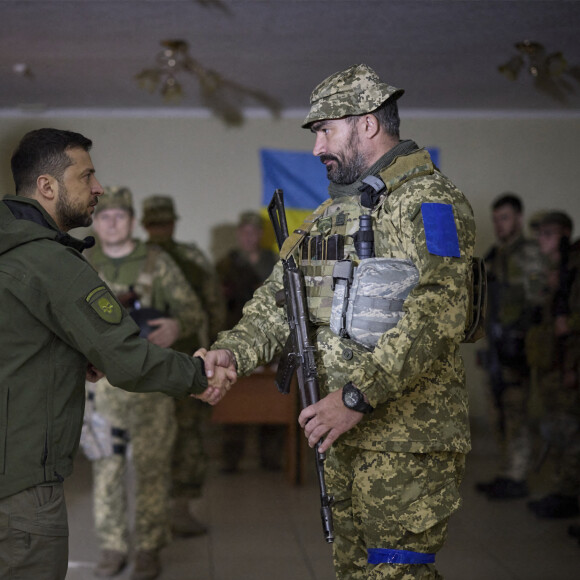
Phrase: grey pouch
{"type": "Point", "coordinates": [375, 303]}
{"type": "Point", "coordinates": [96, 439]}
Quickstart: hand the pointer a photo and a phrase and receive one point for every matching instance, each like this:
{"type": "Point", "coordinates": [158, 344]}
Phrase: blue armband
{"type": "Point", "coordinates": [383, 556]}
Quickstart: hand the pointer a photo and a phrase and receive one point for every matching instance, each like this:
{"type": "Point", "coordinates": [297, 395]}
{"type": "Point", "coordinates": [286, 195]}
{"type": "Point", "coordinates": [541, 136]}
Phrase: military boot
{"type": "Point", "coordinates": [555, 506]}
{"type": "Point", "coordinates": [147, 565]}
{"type": "Point", "coordinates": [110, 563]}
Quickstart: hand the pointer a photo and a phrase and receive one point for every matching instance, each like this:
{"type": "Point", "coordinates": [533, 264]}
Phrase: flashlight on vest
{"type": "Point", "coordinates": [364, 239]}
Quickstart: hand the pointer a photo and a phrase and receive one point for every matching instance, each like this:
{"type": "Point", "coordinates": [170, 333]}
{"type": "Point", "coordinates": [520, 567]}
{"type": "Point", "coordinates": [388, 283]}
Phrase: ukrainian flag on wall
{"type": "Point", "coordinates": [303, 179]}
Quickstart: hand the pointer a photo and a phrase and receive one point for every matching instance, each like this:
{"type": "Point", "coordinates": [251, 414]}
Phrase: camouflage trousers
{"type": "Point", "coordinates": [511, 424]}
{"type": "Point", "coordinates": [390, 506]}
{"type": "Point", "coordinates": [190, 460]}
{"type": "Point", "coordinates": [559, 429]}
{"type": "Point", "coordinates": [149, 421]}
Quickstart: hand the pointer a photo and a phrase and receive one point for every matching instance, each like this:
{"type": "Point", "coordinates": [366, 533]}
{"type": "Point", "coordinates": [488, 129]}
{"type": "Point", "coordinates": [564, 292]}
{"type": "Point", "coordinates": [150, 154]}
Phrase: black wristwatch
{"type": "Point", "coordinates": [354, 399]}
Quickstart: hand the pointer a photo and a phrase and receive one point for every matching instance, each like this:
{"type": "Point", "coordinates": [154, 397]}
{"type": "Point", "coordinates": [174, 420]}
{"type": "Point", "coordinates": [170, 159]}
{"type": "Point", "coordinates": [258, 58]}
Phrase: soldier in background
{"type": "Point", "coordinates": [553, 348]}
{"type": "Point", "coordinates": [190, 459]}
{"type": "Point", "coordinates": [241, 272]}
{"type": "Point", "coordinates": [516, 283]}
{"type": "Point", "coordinates": [144, 278]}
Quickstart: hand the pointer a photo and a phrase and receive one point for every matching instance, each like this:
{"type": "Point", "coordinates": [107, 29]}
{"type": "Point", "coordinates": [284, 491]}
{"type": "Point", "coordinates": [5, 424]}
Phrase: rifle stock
{"type": "Point", "coordinates": [298, 354]}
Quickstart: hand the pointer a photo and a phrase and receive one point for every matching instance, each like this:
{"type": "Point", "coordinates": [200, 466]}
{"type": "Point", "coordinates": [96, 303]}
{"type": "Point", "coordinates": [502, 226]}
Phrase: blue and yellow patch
{"type": "Point", "coordinates": [104, 304]}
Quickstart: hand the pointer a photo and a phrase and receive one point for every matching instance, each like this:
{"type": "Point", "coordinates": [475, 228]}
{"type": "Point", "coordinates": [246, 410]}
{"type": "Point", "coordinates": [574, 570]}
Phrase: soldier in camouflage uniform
{"type": "Point", "coordinates": [553, 347]}
{"type": "Point", "coordinates": [190, 460]}
{"type": "Point", "coordinates": [147, 277]}
{"type": "Point", "coordinates": [241, 272]}
{"type": "Point", "coordinates": [516, 281]}
{"type": "Point", "coordinates": [396, 445]}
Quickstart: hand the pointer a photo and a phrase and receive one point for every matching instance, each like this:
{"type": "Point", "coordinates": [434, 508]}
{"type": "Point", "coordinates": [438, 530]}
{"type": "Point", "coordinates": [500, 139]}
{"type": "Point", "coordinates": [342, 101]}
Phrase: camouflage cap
{"type": "Point", "coordinates": [558, 218]}
{"type": "Point", "coordinates": [115, 198]}
{"type": "Point", "coordinates": [158, 209]}
{"type": "Point", "coordinates": [250, 217]}
{"type": "Point", "coordinates": [355, 91]}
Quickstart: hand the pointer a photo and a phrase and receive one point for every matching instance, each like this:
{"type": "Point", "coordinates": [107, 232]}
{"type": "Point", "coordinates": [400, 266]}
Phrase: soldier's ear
{"type": "Point", "coordinates": [371, 125]}
{"type": "Point", "coordinates": [47, 186]}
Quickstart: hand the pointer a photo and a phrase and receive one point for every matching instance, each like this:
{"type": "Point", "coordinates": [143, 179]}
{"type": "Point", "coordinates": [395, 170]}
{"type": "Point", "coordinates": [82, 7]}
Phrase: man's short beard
{"type": "Point", "coordinates": [68, 217]}
{"type": "Point", "coordinates": [349, 169]}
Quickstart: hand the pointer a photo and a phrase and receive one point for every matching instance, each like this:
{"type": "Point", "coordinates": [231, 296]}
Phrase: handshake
{"type": "Point", "coordinates": [220, 369]}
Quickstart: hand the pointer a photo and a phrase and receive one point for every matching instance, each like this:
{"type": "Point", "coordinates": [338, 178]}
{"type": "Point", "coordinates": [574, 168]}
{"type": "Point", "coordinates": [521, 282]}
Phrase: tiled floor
{"type": "Point", "coordinates": [262, 528]}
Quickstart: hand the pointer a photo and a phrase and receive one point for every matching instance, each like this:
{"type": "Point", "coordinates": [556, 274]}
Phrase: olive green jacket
{"type": "Point", "coordinates": [57, 315]}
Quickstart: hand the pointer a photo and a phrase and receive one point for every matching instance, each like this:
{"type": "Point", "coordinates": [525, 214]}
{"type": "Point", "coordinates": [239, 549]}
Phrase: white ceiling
{"type": "Point", "coordinates": [445, 53]}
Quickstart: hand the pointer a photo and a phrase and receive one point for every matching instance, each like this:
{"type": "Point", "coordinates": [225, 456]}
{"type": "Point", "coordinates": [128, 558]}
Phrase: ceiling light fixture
{"type": "Point", "coordinates": [551, 72]}
{"type": "Point", "coordinates": [220, 95]}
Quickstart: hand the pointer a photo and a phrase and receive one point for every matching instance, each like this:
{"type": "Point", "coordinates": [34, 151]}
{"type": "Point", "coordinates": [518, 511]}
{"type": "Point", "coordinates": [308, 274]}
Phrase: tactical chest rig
{"type": "Point", "coordinates": [359, 295]}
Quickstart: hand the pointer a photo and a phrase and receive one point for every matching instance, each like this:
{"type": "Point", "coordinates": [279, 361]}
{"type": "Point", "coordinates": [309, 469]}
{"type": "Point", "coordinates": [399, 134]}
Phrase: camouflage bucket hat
{"type": "Point", "coordinates": [158, 209]}
{"type": "Point", "coordinates": [355, 91]}
{"type": "Point", "coordinates": [115, 198]}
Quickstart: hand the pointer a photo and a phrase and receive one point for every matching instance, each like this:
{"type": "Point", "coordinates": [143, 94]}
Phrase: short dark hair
{"type": "Point", "coordinates": [43, 151]}
{"type": "Point", "coordinates": [387, 115]}
{"type": "Point", "coordinates": [510, 199]}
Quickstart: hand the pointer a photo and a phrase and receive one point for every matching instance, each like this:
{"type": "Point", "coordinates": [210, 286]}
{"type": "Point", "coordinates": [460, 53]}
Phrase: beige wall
{"type": "Point", "coordinates": [214, 172]}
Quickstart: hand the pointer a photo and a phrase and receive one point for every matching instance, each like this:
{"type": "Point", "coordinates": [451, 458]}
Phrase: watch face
{"type": "Point", "coordinates": [351, 399]}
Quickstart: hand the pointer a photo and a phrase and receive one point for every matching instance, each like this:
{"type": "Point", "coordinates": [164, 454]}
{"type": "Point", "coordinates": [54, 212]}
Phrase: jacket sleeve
{"type": "Point", "coordinates": [111, 342]}
{"type": "Point", "coordinates": [425, 342]}
{"type": "Point", "coordinates": [172, 293]}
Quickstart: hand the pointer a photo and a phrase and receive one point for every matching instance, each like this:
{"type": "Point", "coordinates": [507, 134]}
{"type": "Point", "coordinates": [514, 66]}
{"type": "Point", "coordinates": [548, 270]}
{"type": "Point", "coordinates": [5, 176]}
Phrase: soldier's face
{"type": "Point", "coordinates": [338, 147]}
{"type": "Point", "coordinates": [549, 237]}
{"type": "Point", "coordinates": [78, 192]}
{"type": "Point", "coordinates": [249, 237]}
{"type": "Point", "coordinates": [114, 226]}
{"type": "Point", "coordinates": [507, 223]}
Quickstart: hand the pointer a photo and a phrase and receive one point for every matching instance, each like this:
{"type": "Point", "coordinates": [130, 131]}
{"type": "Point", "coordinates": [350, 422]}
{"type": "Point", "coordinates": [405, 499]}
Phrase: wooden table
{"type": "Point", "coordinates": [255, 399]}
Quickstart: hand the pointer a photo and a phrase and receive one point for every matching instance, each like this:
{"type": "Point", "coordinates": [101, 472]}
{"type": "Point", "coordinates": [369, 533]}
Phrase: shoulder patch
{"type": "Point", "coordinates": [104, 304]}
{"type": "Point", "coordinates": [440, 229]}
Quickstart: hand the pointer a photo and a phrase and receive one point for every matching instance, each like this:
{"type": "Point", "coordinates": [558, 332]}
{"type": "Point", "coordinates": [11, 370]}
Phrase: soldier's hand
{"type": "Point", "coordinates": [166, 331]}
{"type": "Point", "coordinates": [220, 358]}
{"type": "Point", "coordinates": [329, 418]}
{"type": "Point", "coordinates": [93, 374]}
{"type": "Point", "coordinates": [221, 378]}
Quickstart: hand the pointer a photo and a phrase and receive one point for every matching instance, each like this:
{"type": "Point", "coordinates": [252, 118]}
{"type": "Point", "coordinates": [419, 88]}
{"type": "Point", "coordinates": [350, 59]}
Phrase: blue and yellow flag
{"type": "Point", "coordinates": [303, 179]}
{"type": "Point", "coordinates": [301, 176]}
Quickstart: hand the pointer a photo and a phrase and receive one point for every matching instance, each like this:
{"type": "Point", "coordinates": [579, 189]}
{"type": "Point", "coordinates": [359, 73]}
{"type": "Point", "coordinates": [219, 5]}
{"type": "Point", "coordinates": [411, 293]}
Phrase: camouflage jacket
{"type": "Point", "coordinates": [203, 279]}
{"type": "Point", "coordinates": [414, 377]}
{"type": "Point", "coordinates": [516, 277]}
{"type": "Point", "coordinates": [158, 283]}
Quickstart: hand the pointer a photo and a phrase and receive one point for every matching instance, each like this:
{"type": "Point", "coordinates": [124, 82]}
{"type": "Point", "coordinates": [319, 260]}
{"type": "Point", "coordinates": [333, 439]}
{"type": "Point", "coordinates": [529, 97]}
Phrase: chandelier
{"type": "Point", "coordinates": [220, 95]}
{"type": "Point", "coordinates": [551, 73]}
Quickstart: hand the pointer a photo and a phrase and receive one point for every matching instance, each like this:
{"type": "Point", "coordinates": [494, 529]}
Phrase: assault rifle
{"type": "Point", "coordinates": [298, 354]}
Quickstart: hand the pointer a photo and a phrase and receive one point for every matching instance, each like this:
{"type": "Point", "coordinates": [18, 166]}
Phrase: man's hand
{"type": "Point", "coordinates": [166, 331]}
{"type": "Point", "coordinates": [93, 374]}
{"type": "Point", "coordinates": [221, 374]}
{"type": "Point", "coordinates": [329, 417]}
{"type": "Point", "coordinates": [219, 358]}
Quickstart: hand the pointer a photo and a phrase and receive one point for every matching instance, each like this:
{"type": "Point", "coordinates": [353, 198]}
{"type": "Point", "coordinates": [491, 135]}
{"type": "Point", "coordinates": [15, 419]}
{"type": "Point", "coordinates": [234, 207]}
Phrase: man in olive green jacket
{"type": "Point", "coordinates": [60, 323]}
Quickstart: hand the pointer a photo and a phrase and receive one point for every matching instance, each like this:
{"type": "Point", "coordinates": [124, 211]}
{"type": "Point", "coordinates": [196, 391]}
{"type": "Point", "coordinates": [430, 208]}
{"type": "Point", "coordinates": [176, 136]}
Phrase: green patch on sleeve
{"type": "Point", "coordinates": [104, 304]}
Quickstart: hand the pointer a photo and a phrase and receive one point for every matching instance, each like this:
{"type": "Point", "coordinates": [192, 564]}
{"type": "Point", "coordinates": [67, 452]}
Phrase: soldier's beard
{"type": "Point", "coordinates": [348, 165]}
{"type": "Point", "coordinates": [70, 217]}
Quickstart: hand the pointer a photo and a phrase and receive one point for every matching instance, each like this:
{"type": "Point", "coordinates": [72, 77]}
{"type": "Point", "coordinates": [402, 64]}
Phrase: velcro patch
{"type": "Point", "coordinates": [440, 229]}
{"type": "Point", "coordinates": [104, 304]}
